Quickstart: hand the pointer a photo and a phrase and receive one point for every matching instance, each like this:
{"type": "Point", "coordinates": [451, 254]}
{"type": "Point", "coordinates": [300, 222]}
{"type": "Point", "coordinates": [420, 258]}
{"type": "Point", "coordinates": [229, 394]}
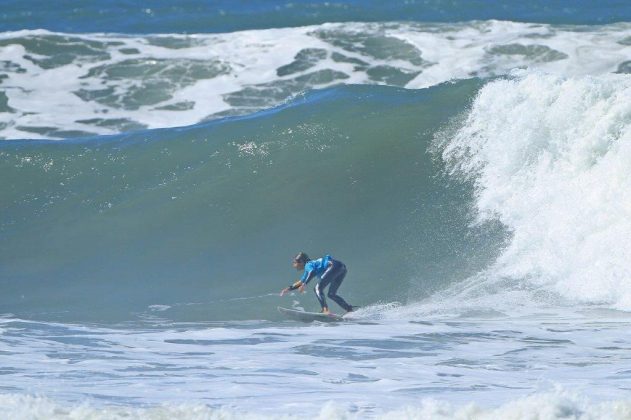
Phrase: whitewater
{"type": "Point", "coordinates": [472, 175]}
{"type": "Point", "coordinates": [60, 85]}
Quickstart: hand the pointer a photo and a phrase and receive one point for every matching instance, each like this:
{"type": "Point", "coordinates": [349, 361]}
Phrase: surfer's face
{"type": "Point", "coordinates": [298, 265]}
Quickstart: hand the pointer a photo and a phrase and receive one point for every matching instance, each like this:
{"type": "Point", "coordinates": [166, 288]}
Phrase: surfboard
{"type": "Point", "coordinates": [309, 316]}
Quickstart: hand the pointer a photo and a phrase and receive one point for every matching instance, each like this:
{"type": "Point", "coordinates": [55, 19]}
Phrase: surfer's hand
{"type": "Point", "coordinates": [301, 289]}
{"type": "Point", "coordinates": [285, 290]}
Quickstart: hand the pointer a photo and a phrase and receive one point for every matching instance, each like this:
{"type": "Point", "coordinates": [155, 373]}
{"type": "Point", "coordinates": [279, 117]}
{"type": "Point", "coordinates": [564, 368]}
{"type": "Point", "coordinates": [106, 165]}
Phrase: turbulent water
{"type": "Point", "coordinates": [470, 167]}
{"type": "Point", "coordinates": [60, 85]}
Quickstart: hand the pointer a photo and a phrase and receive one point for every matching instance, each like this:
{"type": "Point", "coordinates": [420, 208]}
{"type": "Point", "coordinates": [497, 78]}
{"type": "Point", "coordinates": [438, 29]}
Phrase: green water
{"type": "Point", "coordinates": [197, 217]}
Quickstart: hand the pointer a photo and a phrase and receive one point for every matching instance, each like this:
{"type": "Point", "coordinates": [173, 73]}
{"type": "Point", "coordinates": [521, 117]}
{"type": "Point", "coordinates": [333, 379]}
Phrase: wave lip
{"type": "Point", "coordinates": [550, 158]}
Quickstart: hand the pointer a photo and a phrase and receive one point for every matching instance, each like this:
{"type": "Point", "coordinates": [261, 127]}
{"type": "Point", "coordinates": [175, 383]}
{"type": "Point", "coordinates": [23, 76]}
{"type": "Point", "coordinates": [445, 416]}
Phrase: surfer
{"type": "Point", "coordinates": [331, 273]}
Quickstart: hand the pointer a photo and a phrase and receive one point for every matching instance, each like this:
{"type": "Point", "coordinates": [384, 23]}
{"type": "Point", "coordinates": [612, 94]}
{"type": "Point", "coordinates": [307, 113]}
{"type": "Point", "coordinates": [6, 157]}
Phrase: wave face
{"type": "Point", "coordinates": [550, 158]}
{"type": "Point", "coordinates": [516, 184]}
{"type": "Point", "coordinates": [59, 85]}
{"type": "Point", "coordinates": [204, 215]}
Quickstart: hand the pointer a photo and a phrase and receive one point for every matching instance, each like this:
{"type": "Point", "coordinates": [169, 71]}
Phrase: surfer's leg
{"type": "Point", "coordinates": [336, 282]}
{"type": "Point", "coordinates": [319, 291]}
{"type": "Point", "coordinates": [329, 275]}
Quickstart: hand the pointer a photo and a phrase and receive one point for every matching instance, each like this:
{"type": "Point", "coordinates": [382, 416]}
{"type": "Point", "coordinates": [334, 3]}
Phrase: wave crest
{"type": "Point", "coordinates": [550, 158]}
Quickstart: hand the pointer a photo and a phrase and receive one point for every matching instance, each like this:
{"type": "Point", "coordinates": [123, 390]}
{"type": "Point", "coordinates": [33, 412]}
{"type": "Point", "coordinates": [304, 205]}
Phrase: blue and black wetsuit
{"type": "Point", "coordinates": [331, 273]}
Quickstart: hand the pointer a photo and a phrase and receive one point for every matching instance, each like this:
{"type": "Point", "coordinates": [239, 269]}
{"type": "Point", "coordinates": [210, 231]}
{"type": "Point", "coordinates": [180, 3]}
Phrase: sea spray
{"type": "Point", "coordinates": [550, 158]}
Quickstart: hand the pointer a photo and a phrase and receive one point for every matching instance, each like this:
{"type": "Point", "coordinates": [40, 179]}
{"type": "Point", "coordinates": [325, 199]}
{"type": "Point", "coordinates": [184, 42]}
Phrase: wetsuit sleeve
{"type": "Point", "coordinates": [307, 276]}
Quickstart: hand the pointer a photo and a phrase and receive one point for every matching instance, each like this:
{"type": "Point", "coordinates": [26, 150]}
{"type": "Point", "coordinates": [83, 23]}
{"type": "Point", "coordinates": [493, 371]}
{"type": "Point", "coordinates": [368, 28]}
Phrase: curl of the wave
{"type": "Point", "coordinates": [550, 158]}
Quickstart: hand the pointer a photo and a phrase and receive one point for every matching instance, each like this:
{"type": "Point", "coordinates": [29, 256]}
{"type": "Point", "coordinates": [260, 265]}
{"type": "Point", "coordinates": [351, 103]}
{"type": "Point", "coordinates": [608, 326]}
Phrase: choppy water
{"type": "Point", "coordinates": [470, 167]}
{"type": "Point", "coordinates": [378, 363]}
{"type": "Point", "coordinates": [60, 85]}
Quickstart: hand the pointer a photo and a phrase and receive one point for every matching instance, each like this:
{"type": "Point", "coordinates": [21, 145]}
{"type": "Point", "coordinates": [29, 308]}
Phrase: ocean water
{"type": "Point", "coordinates": [160, 165]}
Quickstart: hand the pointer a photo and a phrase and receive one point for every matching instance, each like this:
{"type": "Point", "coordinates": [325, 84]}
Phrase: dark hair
{"type": "Point", "coordinates": [302, 258]}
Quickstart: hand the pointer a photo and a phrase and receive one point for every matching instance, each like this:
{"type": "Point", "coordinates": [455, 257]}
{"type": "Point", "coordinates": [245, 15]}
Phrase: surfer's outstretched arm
{"type": "Point", "coordinates": [300, 284]}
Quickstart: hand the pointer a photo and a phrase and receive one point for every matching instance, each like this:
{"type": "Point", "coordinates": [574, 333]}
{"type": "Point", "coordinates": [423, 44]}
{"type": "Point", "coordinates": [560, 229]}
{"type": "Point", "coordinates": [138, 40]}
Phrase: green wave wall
{"type": "Point", "coordinates": [203, 221]}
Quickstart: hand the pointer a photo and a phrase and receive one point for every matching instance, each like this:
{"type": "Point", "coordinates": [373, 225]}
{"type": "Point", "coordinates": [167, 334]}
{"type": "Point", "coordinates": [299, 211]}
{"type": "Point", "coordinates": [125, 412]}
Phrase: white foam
{"type": "Point", "coordinates": [46, 97]}
{"type": "Point", "coordinates": [551, 158]}
{"type": "Point", "coordinates": [365, 367]}
{"type": "Point", "coordinates": [550, 406]}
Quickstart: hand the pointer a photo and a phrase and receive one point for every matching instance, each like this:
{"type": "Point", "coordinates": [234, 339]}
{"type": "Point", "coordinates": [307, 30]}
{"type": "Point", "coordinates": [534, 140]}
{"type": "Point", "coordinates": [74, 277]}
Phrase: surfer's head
{"type": "Point", "coordinates": [300, 260]}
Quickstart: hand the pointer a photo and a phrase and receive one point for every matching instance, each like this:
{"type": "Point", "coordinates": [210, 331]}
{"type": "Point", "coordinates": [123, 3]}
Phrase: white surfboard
{"type": "Point", "coordinates": [309, 316]}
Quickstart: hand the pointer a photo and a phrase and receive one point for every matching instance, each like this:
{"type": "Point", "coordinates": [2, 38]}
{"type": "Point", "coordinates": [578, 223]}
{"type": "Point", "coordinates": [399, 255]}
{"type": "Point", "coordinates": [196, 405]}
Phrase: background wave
{"type": "Point", "coordinates": [59, 85]}
{"type": "Point", "coordinates": [198, 16]}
